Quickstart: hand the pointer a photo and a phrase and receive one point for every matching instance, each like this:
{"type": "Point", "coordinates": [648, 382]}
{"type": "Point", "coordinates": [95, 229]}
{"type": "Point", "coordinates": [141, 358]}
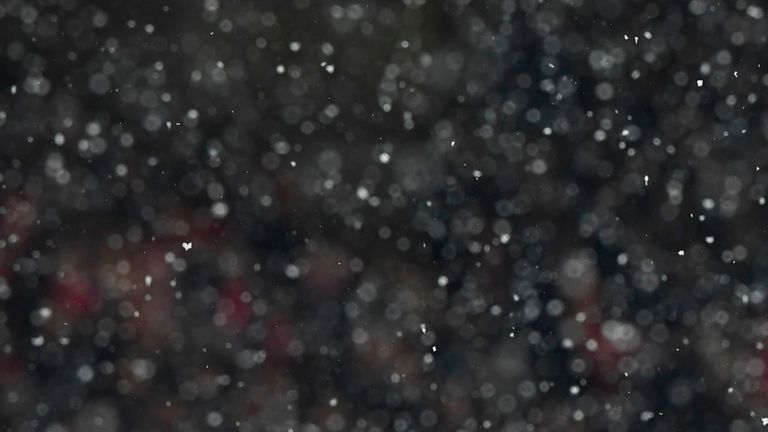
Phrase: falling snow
{"type": "Point", "coordinates": [456, 215]}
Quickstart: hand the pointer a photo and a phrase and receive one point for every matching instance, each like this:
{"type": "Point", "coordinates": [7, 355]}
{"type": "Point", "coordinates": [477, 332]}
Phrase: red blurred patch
{"type": "Point", "coordinates": [279, 336]}
{"type": "Point", "coordinates": [74, 295]}
{"type": "Point", "coordinates": [237, 312]}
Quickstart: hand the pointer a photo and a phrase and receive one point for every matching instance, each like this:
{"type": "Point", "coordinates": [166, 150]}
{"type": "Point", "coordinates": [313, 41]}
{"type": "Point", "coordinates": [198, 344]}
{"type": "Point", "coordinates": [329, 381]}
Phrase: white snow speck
{"type": "Point", "coordinates": [645, 179]}
{"type": "Point", "coordinates": [362, 193]}
{"type": "Point", "coordinates": [220, 209]}
{"type": "Point", "coordinates": [214, 419]}
{"type": "Point", "coordinates": [147, 280]}
{"type": "Point", "coordinates": [292, 271]}
{"type": "Point", "coordinates": [186, 245]}
{"type": "Point", "coordinates": [699, 83]}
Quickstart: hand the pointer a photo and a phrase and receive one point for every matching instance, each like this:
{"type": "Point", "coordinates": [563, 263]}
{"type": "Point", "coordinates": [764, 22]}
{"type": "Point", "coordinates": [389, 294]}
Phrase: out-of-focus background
{"type": "Point", "coordinates": [356, 215]}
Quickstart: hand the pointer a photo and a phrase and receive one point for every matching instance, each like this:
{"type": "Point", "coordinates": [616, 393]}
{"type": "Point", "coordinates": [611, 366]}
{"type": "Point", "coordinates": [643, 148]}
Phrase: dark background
{"type": "Point", "coordinates": [410, 215]}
